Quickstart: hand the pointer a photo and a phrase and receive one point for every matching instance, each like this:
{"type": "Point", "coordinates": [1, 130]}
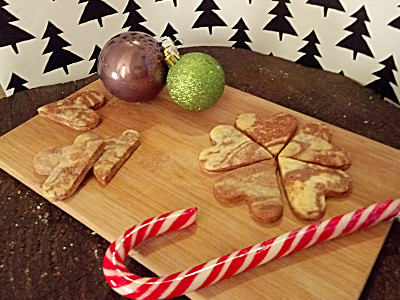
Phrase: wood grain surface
{"type": "Point", "coordinates": [164, 175]}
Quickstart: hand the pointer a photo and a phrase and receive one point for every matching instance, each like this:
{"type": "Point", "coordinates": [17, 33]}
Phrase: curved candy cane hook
{"type": "Point", "coordinates": [137, 287]}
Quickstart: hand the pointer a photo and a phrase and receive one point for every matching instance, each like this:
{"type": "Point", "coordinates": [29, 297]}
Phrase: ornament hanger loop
{"type": "Point", "coordinates": [170, 51]}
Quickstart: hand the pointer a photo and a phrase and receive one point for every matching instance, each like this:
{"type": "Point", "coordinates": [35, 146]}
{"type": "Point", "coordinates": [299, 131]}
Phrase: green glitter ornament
{"type": "Point", "coordinates": [196, 81]}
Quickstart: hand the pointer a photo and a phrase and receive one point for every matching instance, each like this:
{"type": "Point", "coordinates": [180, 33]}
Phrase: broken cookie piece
{"type": "Point", "coordinates": [74, 163]}
{"type": "Point", "coordinates": [313, 144]}
{"type": "Point", "coordinates": [232, 149]}
{"type": "Point", "coordinates": [116, 151]}
{"type": "Point", "coordinates": [307, 185]}
{"type": "Point", "coordinates": [272, 133]}
{"type": "Point", "coordinates": [256, 184]}
{"type": "Point", "coordinates": [46, 160]}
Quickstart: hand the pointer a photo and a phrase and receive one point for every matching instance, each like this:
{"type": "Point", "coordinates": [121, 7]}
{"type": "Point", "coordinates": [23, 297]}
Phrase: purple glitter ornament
{"type": "Point", "coordinates": [132, 66]}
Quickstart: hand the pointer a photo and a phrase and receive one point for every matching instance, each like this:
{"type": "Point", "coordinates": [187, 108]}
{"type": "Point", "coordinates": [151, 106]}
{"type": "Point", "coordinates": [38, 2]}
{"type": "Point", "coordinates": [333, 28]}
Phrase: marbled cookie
{"type": "Point", "coordinates": [116, 151]}
{"type": "Point", "coordinates": [76, 111]}
{"type": "Point", "coordinates": [256, 184]}
{"type": "Point", "coordinates": [307, 185]}
{"type": "Point", "coordinates": [75, 162]}
{"type": "Point", "coordinates": [313, 144]}
{"type": "Point", "coordinates": [46, 160]}
{"type": "Point", "coordinates": [272, 133]}
{"type": "Point", "coordinates": [232, 149]}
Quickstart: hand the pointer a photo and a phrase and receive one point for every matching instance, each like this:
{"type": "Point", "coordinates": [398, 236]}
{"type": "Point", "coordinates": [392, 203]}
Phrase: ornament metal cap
{"type": "Point", "coordinates": [171, 52]}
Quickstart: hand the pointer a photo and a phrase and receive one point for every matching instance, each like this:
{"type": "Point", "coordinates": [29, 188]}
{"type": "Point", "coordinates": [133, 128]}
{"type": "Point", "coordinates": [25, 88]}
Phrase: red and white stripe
{"type": "Point", "coordinates": [137, 287]}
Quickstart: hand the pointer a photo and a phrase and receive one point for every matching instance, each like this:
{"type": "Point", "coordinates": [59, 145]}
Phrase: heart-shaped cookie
{"type": "Point", "coordinates": [76, 112]}
{"type": "Point", "coordinates": [272, 133]}
{"type": "Point", "coordinates": [313, 144]}
{"type": "Point", "coordinates": [116, 151]}
{"type": "Point", "coordinates": [256, 184]}
{"type": "Point", "coordinates": [69, 166]}
{"type": "Point", "coordinates": [232, 149]}
{"type": "Point", "coordinates": [306, 186]}
{"type": "Point", "coordinates": [46, 160]}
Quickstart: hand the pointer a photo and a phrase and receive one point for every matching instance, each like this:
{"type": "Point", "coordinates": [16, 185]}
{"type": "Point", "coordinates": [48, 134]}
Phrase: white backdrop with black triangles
{"type": "Point", "coordinates": [50, 41]}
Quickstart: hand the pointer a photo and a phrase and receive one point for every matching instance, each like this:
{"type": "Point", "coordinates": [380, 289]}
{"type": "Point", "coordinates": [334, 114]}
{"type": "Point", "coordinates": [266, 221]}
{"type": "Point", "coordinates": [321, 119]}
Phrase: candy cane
{"type": "Point", "coordinates": [137, 287]}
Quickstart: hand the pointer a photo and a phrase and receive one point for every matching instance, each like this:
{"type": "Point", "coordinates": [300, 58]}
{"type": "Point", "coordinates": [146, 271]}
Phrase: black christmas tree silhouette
{"type": "Point", "coordinates": [382, 85]}
{"type": "Point", "coordinates": [208, 17]}
{"type": "Point", "coordinates": [59, 58]}
{"type": "Point", "coordinates": [355, 40]}
{"type": "Point", "coordinates": [17, 83]}
{"type": "Point", "coordinates": [134, 18]}
{"type": "Point", "coordinates": [310, 50]}
{"type": "Point", "coordinates": [175, 4]}
{"type": "Point", "coordinates": [327, 4]}
{"type": "Point", "coordinates": [95, 10]}
{"type": "Point", "coordinates": [95, 56]}
{"type": "Point", "coordinates": [241, 36]}
{"type": "Point", "coordinates": [280, 23]}
{"type": "Point", "coordinates": [395, 23]}
{"type": "Point", "coordinates": [10, 34]}
{"type": "Point", "coordinates": [171, 32]}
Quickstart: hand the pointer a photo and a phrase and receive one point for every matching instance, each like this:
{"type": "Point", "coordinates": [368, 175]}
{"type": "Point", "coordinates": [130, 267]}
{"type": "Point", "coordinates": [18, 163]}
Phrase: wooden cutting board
{"type": "Point", "coordinates": [163, 175]}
